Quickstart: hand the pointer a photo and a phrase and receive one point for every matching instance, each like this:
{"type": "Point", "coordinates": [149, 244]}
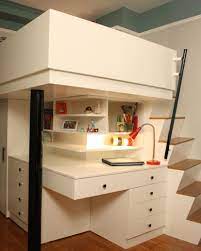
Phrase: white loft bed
{"type": "Point", "coordinates": [68, 56]}
{"type": "Point", "coordinates": [61, 49]}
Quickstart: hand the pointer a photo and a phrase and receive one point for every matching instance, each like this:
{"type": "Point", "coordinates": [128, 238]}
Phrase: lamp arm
{"type": "Point", "coordinates": [154, 137]}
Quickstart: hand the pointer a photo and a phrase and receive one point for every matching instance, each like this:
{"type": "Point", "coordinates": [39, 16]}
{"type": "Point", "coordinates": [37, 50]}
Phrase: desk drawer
{"type": "Point", "coordinates": [89, 187]}
{"type": "Point", "coordinates": [148, 208]}
{"type": "Point", "coordinates": [144, 225]}
{"type": "Point", "coordinates": [149, 192]}
{"type": "Point", "coordinates": [151, 176]}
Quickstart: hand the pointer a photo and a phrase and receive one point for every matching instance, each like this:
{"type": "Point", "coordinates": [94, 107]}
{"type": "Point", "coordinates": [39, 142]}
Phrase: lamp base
{"type": "Point", "coordinates": [153, 162]}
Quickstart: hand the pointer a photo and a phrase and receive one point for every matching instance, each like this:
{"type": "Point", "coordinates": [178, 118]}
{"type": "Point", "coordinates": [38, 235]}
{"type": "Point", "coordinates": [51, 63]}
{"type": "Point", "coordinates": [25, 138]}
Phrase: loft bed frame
{"type": "Point", "coordinates": [59, 49]}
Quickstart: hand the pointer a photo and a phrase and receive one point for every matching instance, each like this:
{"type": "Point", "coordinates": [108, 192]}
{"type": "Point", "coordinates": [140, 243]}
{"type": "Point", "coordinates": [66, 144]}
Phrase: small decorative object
{"type": "Point", "coordinates": [117, 140]}
{"type": "Point", "coordinates": [88, 110]}
{"type": "Point", "coordinates": [92, 127]}
{"type": "Point", "coordinates": [70, 125]}
{"type": "Point", "coordinates": [93, 124]}
{"type": "Point", "coordinates": [61, 107]}
{"type": "Point", "coordinates": [98, 108]}
{"type": "Point", "coordinates": [128, 117]}
{"type": "Point", "coordinates": [120, 123]}
{"type": "Point", "coordinates": [125, 142]}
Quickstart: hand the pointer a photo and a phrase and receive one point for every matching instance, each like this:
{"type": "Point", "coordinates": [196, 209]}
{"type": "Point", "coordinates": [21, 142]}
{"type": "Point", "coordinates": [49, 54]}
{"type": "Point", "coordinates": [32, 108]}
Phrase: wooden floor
{"type": "Point", "coordinates": [13, 238]}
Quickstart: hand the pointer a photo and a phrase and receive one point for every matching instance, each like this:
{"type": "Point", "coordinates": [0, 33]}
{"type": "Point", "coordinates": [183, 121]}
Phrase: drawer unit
{"type": "Point", "coordinates": [89, 187]}
{"type": "Point", "coordinates": [18, 189]}
{"type": "Point", "coordinates": [143, 225]}
{"type": "Point", "coordinates": [149, 192]}
{"type": "Point", "coordinates": [147, 208]}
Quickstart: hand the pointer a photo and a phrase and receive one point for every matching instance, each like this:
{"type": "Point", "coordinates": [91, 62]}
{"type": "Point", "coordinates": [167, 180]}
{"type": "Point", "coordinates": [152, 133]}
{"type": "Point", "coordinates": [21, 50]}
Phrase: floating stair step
{"type": "Point", "coordinates": [185, 164]}
{"type": "Point", "coordinates": [165, 117]}
{"type": "Point", "coordinates": [196, 216]}
{"type": "Point", "coordinates": [192, 190]}
{"type": "Point", "coordinates": [177, 141]}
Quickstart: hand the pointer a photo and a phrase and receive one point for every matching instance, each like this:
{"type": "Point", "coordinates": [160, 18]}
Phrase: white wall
{"type": "Point", "coordinates": [187, 35]}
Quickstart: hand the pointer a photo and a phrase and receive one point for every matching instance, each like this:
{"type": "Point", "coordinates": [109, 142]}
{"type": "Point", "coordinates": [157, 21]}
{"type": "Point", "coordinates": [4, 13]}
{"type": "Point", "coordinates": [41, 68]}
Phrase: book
{"type": "Point", "coordinates": [123, 162]}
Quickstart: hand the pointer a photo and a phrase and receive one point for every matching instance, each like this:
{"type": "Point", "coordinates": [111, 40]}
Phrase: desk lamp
{"type": "Point", "coordinates": [134, 134]}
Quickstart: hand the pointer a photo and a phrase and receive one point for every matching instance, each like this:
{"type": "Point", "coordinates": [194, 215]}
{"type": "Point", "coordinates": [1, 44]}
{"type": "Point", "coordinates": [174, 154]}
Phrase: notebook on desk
{"type": "Point", "coordinates": [123, 162]}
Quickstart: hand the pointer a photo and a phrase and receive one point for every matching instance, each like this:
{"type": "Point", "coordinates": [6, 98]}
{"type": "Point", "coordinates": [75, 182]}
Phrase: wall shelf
{"type": "Point", "coordinates": [84, 149]}
{"type": "Point", "coordinates": [72, 132]}
{"type": "Point", "coordinates": [90, 115]}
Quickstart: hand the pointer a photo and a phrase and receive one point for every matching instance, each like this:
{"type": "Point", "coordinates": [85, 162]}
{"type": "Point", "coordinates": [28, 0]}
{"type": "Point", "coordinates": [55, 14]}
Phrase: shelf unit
{"type": "Point", "coordinates": [81, 141]}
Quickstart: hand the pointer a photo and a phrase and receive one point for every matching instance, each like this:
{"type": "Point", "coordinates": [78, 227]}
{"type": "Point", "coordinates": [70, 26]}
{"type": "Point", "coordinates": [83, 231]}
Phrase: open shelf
{"type": "Point", "coordinates": [71, 132]}
{"type": "Point", "coordinates": [90, 115]}
{"type": "Point", "coordinates": [82, 148]}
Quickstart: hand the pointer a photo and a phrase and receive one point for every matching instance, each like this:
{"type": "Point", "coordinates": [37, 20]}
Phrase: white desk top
{"type": "Point", "coordinates": [78, 169]}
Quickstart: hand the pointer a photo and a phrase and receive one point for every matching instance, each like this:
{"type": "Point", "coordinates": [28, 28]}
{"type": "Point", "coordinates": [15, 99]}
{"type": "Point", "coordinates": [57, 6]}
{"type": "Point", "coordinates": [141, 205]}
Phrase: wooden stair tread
{"type": "Point", "coordinates": [192, 190]}
{"type": "Point", "coordinates": [177, 141]}
{"type": "Point", "coordinates": [185, 164]}
{"type": "Point", "coordinates": [196, 216]}
{"type": "Point", "coordinates": [165, 117]}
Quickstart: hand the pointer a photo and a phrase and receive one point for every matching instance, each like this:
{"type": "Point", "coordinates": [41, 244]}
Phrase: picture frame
{"type": "Point", "coordinates": [70, 125]}
{"type": "Point", "coordinates": [61, 107]}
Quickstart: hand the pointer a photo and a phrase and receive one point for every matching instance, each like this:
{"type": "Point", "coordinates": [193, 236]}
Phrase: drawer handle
{"type": "Point", "coordinates": [104, 186]}
{"type": "Point", "coordinates": [20, 184]}
{"type": "Point", "coordinates": [151, 193]}
{"type": "Point", "coordinates": [19, 199]}
{"type": "Point", "coordinates": [150, 209]}
{"type": "Point", "coordinates": [152, 177]}
{"type": "Point", "coordinates": [3, 154]}
{"type": "Point", "coordinates": [150, 225]}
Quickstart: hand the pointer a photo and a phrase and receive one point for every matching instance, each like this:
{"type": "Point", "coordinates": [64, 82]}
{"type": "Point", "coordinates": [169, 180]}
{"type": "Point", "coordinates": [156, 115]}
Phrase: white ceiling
{"type": "Point", "coordinates": [92, 9]}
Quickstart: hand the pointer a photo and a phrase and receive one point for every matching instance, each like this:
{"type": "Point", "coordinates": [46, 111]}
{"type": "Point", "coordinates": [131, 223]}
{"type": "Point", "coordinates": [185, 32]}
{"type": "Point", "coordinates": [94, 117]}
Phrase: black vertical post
{"type": "Point", "coordinates": [35, 170]}
{"type": "Point", "coordinates": [174, 112]}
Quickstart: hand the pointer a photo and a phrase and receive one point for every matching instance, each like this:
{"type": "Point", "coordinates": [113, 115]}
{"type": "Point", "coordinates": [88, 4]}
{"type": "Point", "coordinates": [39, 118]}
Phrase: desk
{"type": "Point", "coordinates": [126, 205]}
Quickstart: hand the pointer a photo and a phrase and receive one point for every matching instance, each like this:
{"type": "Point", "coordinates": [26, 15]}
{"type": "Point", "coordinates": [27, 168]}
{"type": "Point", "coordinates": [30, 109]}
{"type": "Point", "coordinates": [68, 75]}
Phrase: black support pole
{"type": "Point", "coordinates": [174, 112]}
{"type": "Point", "coordinates": [35, 170]}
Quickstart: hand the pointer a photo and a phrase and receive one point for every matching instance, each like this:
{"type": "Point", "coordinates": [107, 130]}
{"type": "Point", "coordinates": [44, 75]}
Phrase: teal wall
{"type": "Point", "coordinates": [112, 18]}
{"type": "Point", "coordinates": [168, 13]}
{"type": "Point", "coordinates": [123, 17]}
{"type": "Point", "coordinates": [165, 14]}
{"type": "Point", "coordinates": [13, 16]}
{"type": "Point", "coordinates": [131, 20]}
